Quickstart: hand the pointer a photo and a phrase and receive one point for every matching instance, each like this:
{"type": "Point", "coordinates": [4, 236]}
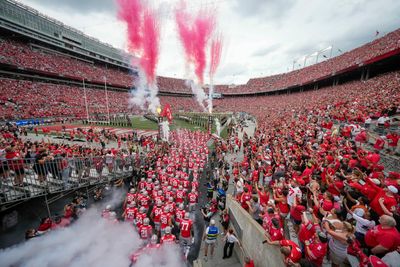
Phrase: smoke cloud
{"type": "Point", "coordinates": [199, 93]}
{"type": "Point", "coordinates": [91, 241]}
{"type": "Point", "coordinates": [143, 34]}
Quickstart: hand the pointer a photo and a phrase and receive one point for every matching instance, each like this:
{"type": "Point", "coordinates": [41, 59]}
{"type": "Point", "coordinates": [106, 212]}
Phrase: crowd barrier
{"type": "Point", "coordinates": [26, 178]}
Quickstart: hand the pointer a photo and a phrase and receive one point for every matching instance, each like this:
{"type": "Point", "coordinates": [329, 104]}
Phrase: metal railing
{"type": "Point", "coordinates": [22, 179]}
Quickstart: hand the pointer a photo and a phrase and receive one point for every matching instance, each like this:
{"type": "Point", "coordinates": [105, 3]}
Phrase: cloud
{"type": "Point", "coordinates": [261, 52]}
{"type": "Point", "coordinates": [264, 10]}
{"type": "Point", "coordinates": [264, 36]}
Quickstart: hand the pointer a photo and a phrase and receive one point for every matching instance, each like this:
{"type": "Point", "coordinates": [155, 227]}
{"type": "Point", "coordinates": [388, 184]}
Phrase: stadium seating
{"type": "Point", "coordinates": [20, 54]}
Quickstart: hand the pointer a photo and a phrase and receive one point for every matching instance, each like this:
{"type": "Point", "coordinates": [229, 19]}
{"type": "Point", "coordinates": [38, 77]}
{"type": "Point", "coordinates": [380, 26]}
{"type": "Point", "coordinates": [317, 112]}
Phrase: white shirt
{"type": "Point", "coordinates": [239, 185]}
{"type": "Point", "coordinates": [231, 238]}
{"type": "Point", "coordinates": [381, 120]}
{"type": "Point", "coordinates": [293, 192]}
{"type": "Point", "coordinates": [363, 225]}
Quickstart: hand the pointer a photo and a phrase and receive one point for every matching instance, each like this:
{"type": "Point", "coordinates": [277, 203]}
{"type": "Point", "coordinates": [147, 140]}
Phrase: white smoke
{"type": "Point", "coordinates": [152, 98]}
{"type": "Point", "coordinates": [138, 96]}
{"type": "Point", "coordinates": [218, 126]}
{"type": "Point", "coordinates": [165, 130]}
{"type": "Point", "coordinates": [210, 97]}
{"type": "Point", "coordinates": [91, 241]}
{"type": "Point", "coordinates": [145, 94]}
{"type": "Point", "coordinates": [198, 92]}
{"type": "Point", "coordinates": [165, 256]}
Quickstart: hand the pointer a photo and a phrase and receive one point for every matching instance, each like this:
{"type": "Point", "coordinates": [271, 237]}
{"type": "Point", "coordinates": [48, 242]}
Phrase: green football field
{"type": "Point", "coordinates": [145, 124]}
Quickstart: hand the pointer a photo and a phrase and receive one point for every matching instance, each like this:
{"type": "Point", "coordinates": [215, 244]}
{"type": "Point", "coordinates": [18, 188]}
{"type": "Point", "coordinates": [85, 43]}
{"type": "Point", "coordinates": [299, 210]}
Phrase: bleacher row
{"type": "Point", "coordinates": [354, 101]}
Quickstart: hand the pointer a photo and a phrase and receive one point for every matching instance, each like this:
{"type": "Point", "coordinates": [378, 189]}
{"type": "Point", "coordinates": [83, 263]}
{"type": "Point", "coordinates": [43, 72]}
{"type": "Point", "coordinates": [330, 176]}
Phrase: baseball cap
{"type": "Point", "coordinates": [393, 189]}
{"type": "Point", "coordinates": [376, 181]}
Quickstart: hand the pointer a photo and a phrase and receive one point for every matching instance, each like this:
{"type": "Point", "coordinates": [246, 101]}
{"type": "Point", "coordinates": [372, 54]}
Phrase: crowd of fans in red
{"type": "Point", "coordinates": [25, 99]}
{"type": "Point", "coordinates": [354, 57]}
{"type": "Point", "coordinates": [162, 192]}
{"type": "Point", "coordinates": [20, 54]}
{"type": "Point", "coordinates": [305, 166]}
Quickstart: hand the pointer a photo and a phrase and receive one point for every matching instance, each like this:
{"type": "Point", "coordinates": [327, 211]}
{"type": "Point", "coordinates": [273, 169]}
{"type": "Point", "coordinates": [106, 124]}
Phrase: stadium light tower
{"type": "Point", "coordinates": [86, 103]}
{"type": "Point", "coordinates": [108, 108]}
{"type": "Point", "coordinates": [323, 50]}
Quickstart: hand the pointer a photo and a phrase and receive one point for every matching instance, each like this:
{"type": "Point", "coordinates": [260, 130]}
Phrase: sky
{"type": "Point", "coordinates": [261, 37]}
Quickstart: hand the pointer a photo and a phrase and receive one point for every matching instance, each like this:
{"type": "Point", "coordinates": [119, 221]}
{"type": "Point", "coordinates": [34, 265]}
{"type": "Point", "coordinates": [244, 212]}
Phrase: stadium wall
{"type": "Point", "coordinates": [251, 235]}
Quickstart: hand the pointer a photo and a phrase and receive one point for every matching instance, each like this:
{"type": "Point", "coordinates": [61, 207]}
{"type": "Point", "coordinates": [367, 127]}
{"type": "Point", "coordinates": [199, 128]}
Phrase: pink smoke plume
{"type": "Point", "coordinates": [150, 43]}
{"type": "Point", "coordinates": [130, 11]}
{"type": "Point", "coordinates": [215, 54]}
{"type": "Point", "coordinates": [185, 31]}
{"type": "Point", "coordinates": [195, 32]}
{"type": "Point", "coordinates": [143, 34]}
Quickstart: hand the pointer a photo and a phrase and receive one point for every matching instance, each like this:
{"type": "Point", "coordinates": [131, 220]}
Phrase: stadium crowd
{"type": "Point", "coordinates": [25, 55]}
{"type": "Point", "coordinates": [307, 167]}
{"type": "Point", "coordinates": [162, 192]}
{"type": "Point", "coordinates": [22, 99]}
{"type": "Point", "coordinates": [18, 53]}
{"type": "Point", "coordinates": [369, 51]}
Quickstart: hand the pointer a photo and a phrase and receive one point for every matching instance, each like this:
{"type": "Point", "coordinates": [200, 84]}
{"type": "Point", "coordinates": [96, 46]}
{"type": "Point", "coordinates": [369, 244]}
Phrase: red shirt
{"type": "Point", "coordinates": [145, 231]}
{"type": "Point", "coordinates": [388, 238]}
{"type": "Point", "coordinates": [275, 234]}
{"type": "Point", "coordinates": [389, 202]}
{"type": "Point", "coordinates": [295, 252]}
{"type": "Point", "coordinates": [130, 214]}
{"type": "Point", "coordinates": [318, 252]}
{"type": "Point", "coordinates": [164, 219]}
{"type": "Point", "coordinates": [245, 197]}
{"type": "Point", "coordinates": [156, 214]}
{"type": "Point", "coordinates": [264, 197]}
{"type": "Point", "coordinates": [307, 231]}
{"type": "Point", "coordinates": [180, 194]}
{"type": "Point", "coordinates": [179, 215]}
{"type": "Point", "coordinates": [297, 211]}
{"type": "Point", "coordinates": [393, 139]}
{"type": "Point", "coordinates": [139, 219]}
{"type": "Point", "coordinates": [186, 227]}
{"type": "Point", "coordinates": [168, 238]}
{"type": "Point", "coordinates": [192, 198]}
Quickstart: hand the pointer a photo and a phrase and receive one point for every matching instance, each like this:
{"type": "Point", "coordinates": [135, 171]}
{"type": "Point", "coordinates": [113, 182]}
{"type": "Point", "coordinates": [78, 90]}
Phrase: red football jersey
{"type": "Point", "coordinates": [168, 238]}
{"type": "Point", "coordinates": [139, 219]}
{"type": "Point", "coordinates": [130, 214]}
{"type": "Point", "coordinates": [145, 231]}
{"type": "Point", "coordinates": [157, 211]}
{"type": "Point", "coordinates": [186, 227]}
{"type": "Point", "coordinates": [164, 219]}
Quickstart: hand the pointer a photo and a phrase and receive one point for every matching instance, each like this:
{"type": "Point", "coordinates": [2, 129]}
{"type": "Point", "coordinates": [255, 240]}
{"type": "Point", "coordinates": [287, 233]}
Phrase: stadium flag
{"type": "Point", "coordinates": [166, 112]}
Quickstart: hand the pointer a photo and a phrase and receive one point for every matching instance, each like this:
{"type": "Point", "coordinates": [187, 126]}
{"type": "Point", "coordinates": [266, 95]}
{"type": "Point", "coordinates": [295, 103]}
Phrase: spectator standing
{"type": "Point", "coordinates": [210, 237]}
{"type": "Point", "coordinates": [230, 240]}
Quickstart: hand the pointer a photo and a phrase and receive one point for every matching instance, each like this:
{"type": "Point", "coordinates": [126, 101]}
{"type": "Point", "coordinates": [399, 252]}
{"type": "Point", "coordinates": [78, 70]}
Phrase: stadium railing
{"type": "Point", "coordinates": [59, 174]}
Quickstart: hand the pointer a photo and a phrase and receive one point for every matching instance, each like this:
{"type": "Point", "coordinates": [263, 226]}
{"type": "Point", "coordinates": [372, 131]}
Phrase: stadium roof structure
{"type": "Point", "coordinates": [29, 22]}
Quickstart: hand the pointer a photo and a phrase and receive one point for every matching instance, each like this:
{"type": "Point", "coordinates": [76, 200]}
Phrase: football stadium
{"type": "Point", "coordinates": [199, 133]}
